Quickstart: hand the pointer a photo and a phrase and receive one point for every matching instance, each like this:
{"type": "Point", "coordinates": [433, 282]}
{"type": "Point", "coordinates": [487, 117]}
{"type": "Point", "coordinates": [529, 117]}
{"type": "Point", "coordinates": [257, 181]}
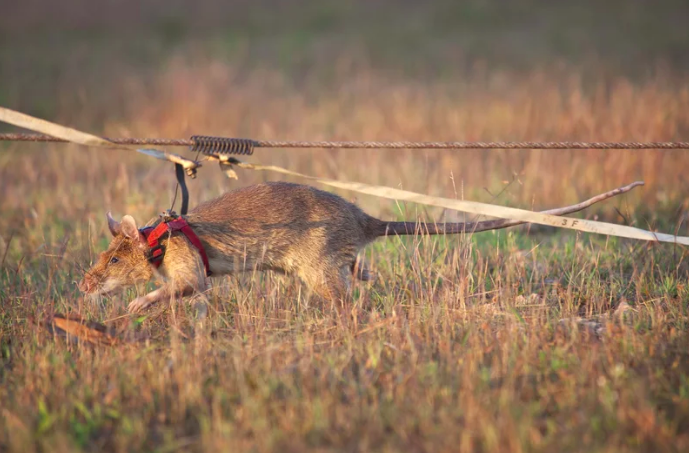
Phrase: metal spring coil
{"type": "Point", "coordinates": [222, 145]}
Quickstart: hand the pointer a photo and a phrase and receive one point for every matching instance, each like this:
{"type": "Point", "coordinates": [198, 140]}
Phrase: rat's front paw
{"type": "Point", "coordinates": [138, 304]}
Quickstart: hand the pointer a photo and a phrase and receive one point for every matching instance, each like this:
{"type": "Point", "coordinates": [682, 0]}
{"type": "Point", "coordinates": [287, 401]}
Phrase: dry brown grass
{"type": "Point", "coordinates": [461, 343]}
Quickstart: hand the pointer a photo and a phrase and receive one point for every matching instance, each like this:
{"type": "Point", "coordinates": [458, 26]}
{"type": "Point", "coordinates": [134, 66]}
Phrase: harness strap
{"type": "Point", "coordinates": [157, 250]}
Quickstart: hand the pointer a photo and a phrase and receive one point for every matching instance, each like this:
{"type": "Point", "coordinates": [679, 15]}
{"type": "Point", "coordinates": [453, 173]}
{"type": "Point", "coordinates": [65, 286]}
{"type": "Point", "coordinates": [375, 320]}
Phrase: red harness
{"type": "Point", "coordinates": [153, 235]}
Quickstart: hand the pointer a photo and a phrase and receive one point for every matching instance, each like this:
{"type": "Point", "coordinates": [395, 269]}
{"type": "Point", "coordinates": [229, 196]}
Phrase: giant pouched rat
{"type": "Point", "coordinates": [289, 228]}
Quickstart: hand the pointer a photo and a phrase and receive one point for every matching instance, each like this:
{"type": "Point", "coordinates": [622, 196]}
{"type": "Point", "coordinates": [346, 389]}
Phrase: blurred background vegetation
{"type": "Point", "coordinates": [83, 45]}
{"type": "Point", "coordinates": [381, 69]}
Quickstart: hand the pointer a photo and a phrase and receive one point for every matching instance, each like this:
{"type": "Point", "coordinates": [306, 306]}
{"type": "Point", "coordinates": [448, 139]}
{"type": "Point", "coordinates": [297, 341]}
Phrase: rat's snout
{"type": "Point", "coordinates": [87, 284]}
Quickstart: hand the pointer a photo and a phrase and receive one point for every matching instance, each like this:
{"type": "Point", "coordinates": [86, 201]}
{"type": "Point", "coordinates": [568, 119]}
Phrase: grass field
{"type": "Point", "coordinates": [526, 339]}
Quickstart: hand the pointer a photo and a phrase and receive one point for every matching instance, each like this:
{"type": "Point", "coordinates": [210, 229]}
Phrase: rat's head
{"type": "Point", "coordinates": [123, 264]}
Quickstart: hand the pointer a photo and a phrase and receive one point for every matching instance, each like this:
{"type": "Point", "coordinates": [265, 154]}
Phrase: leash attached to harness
{"type": "Point", "coordinates": [157, 250]}
{"type": "Point", "coordinates": [179, 173]}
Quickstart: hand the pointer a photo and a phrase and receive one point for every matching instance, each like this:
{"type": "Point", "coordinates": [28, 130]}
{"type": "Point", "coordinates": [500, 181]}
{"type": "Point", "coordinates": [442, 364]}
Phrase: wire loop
{"type": "Point", "coordinates": [222, 145]}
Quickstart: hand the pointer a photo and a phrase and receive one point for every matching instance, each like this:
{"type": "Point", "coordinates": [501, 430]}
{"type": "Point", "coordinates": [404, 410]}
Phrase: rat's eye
{"type": "Point", "coordinates": [114, 260]}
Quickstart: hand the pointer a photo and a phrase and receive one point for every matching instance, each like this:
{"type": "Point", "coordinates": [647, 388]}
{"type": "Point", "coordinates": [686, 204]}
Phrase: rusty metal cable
{"type": "Point", "coordinates": [471, 145]}
{"type": "Point", "coordinates": [247, 144]}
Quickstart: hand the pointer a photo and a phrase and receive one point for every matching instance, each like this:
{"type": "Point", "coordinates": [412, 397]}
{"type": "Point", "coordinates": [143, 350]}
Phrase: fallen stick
{"type": "Point", "coordinates": [74, 328]}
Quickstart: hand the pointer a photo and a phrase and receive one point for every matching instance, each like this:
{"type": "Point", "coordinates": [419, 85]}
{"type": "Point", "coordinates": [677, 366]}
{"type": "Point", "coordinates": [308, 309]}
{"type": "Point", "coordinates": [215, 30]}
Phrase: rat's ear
{"type": "Point", "coordinates": [129, 229]}
{"type": "Point", "coordinates": [114, 225]}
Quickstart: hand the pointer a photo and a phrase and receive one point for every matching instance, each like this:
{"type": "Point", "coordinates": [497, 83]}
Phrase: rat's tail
{"type": "Point", "coordinates": [376, 228]}
{"type": "Point", "coordinates": [413, 228]}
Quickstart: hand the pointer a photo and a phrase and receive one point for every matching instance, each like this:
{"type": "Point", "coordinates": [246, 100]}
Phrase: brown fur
{"type": "Point", "coordinates": [284, 227]}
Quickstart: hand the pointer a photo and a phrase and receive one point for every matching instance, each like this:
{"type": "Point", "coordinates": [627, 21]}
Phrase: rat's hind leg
{"type": "Point", "coordinates": [360, 270]}
{"type": "Point", "coordinates": [330, 283]}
